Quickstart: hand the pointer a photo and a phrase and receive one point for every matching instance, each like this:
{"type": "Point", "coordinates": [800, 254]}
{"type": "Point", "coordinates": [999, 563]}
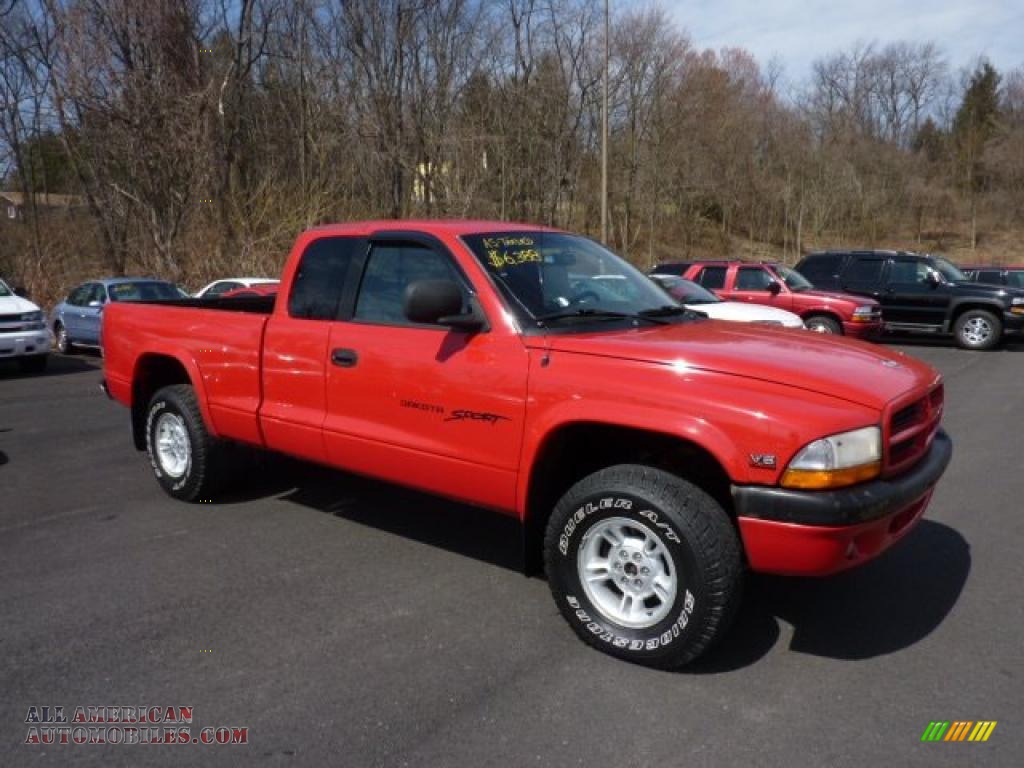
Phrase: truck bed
{"type": "Point", "coordinates": [217, 342]}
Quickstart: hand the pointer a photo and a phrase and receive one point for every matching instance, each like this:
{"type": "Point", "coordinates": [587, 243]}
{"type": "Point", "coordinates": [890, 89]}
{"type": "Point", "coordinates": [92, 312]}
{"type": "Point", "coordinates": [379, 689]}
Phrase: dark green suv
{"type": "Point", "coordinates": [920, 293]}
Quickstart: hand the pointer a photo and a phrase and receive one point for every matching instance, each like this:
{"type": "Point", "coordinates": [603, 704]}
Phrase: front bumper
{"type": "Point", "coordinates": [1013, 323]}
{"type": "Point", "coordinates": [24, 343]}
{"type": "Point", "coordinates": [817, 533]}
{"type": "Point", "coordinates": [862, 330]}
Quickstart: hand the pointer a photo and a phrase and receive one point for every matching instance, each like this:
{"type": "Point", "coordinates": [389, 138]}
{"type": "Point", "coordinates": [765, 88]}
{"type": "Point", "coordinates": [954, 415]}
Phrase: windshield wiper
{"type": "Point", "coordinates": [604, 314]}
{"type": "Point", "coordinates": [667, 310]}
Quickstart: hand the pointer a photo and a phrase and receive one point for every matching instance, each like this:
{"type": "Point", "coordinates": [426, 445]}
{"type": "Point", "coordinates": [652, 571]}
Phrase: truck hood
{"type": "Point", "coordinates": [851, 370]}
{"type": "Point", "coordinates": [986, 290]}
{"type": "Point", "coordinates": [829, 296]}
{"type": "Point", "coordinates": [13, 305]}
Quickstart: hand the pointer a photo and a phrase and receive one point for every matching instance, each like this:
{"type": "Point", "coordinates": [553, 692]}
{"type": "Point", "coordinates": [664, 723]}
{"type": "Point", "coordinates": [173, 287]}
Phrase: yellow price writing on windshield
{"type": "Point", "coordinates": [501, 259]}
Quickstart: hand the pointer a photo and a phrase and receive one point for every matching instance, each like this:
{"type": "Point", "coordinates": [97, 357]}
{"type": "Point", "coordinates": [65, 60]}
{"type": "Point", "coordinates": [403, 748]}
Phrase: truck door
{"type": "Point", "coordinates": [753, 285]}
{"type": "Point", "coordinates": [295, 351]}
{"type": "Point", "coordinates": [428, 406]}
{"type": "Point", "coordinates": [913, 294]}
{"type": "Point", "coordinates": [92, 314]}
{"type": "Point", "coordinates": [71, 316]}
{"type": "Point", "coordinates": [864, 276]}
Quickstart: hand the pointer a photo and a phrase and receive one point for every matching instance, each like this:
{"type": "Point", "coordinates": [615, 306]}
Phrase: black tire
{"type": "Point", "coordinates": [33, 364]}
{"type": "Point", "coordinates": [691, 530]}
{"type": "Point", "coordinates": [977, 329]}
{"type": "Point", "coordinates": [64, 345]}
{"type": "Point", "coordinates": [823, 324]}
{"type": "Point", "coordinates": [199, 479]}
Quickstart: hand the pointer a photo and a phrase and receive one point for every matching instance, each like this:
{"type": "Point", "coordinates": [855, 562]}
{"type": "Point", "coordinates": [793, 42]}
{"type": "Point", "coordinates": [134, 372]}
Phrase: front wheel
{"type": "Point", "coordinates": [823, 324]}
{"type": "Point", "coordinates": [64, 345]}
{"type": "Point", "coordinates": [977, 329]}
{"type": "Point", "coordinates": [186, 459]}
{"type": "Point", "coordinates": [643, 565]}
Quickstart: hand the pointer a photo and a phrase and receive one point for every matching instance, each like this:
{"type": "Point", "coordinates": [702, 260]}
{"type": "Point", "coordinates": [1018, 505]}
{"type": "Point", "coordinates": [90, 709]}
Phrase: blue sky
{"type": "Point", "coordinates": [799, 31]}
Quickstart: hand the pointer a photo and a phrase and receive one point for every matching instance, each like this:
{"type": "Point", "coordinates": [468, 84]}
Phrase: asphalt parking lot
{"type": "Point", "coordinates": [346, 623]}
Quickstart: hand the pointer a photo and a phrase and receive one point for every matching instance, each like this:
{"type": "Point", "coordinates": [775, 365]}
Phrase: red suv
{"type": "Point", "coordinates": [779, 286]}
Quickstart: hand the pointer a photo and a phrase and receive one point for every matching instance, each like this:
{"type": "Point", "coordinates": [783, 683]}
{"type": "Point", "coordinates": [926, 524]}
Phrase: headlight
{"type": "Point", "coordinates": [1017, 301]}
{"type": "Point", "coordinates": [836, 461]}
{"type": "Point", "coordinates": [864, 314]}
{"type": "Point", "coordinates": [35, 320]}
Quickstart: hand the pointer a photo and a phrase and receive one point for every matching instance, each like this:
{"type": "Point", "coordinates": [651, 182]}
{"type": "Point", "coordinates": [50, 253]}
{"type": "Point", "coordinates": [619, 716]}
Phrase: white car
{"type": "Point", "coordinates": [23, 333]}
{"type": "Point", "coordinates": [219, 287]}
{"type": "Point", "coordinates": [700, 299]}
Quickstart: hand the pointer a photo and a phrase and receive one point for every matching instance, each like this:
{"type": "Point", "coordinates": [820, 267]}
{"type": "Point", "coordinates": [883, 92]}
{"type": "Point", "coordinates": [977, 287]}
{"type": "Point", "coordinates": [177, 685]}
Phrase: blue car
{"type": "Point", "coordinates": [78, 320]}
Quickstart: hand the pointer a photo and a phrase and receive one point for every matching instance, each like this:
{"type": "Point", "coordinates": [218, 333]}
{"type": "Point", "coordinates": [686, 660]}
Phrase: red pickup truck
{"type": "Point", "coordinates": [776, 285]}
{"type": "Point", "coordinates": [650, 453]}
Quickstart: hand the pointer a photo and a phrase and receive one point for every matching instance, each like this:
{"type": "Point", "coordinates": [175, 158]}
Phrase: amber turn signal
{"type": "Point", "coordinates": [822, 479]}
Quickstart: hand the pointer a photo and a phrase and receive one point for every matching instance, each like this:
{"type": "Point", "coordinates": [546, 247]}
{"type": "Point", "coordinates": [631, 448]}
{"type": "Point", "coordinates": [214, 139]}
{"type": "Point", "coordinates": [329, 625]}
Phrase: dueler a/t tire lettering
{"type": "Point", "coordinates": [652, 514]}
{"type": "Point", "coordinates": [202, 468]}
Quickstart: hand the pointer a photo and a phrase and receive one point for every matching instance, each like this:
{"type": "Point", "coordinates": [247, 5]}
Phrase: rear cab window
{"type": "Point", "coordinates": [322, 276]}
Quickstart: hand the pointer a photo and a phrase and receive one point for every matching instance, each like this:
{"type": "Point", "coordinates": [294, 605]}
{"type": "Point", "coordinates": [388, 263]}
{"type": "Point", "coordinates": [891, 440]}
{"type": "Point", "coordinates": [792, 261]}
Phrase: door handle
{"type": "Point", "coordinates": [344, 358]}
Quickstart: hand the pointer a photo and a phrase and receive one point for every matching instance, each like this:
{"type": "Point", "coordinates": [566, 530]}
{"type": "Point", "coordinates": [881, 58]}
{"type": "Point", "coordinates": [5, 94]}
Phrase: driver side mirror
{"type": "Point", "coordinates": [774, 288]}
{"type": "Point", "coordinates": [96, 304]}
{"type": "Point", "coordinates": [934, 278]}
{"type": "Point", "coordinates": [19, 290]}
{"type": "Point", "coordinates": [439, 302]}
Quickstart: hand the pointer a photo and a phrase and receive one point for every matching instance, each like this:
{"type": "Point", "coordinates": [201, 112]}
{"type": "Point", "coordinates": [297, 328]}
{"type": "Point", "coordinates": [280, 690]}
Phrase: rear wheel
{"type": "Point", "coordinates": [643, 565]}
{"type": "Point", "coordinates": [823, 324]}
{"type": "Point", "coordinates": [977, 329]}
{"type": "Point", "coordinates": [186, 459]}
{"type": "Point", "coordinates": [64, 345]}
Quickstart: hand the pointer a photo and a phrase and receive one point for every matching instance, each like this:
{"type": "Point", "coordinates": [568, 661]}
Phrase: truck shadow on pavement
{"type": "Point", "coordinates": [881, 607]}
{"type": "Point", "coordinates": [464, 530]}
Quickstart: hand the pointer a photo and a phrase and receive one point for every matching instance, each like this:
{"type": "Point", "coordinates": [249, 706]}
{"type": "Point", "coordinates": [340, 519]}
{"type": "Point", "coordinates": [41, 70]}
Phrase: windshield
{"type": "Point", "coordinates": [794, 280]}
{"type": "Point", "coordinates": [543, 274]}
{"type": "Point", "coordinates": [687, 291]}
{"type": "Point", "coordinates": [150, 290]}
{"type": "Point", "coordinates": [4, 290]}
{"type": "Point", "coordinates": [948, 271]}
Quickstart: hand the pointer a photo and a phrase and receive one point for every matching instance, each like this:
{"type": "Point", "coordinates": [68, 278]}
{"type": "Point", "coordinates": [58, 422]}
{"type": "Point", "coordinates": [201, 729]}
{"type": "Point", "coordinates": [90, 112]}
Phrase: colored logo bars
{"type": "Point", "coordinates": [958, 730]}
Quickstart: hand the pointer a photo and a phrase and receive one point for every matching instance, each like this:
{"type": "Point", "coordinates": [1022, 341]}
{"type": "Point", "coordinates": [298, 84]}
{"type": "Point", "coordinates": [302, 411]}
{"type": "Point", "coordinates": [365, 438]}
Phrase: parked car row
{"type": "Point", "coordinates": [920, 293]}
{"type": "Point", "coordinates": [862, 293]}
{"type": "Point", "coordinates": [77, 320]}
{"type": "Point", "coordinates": [778, 286]}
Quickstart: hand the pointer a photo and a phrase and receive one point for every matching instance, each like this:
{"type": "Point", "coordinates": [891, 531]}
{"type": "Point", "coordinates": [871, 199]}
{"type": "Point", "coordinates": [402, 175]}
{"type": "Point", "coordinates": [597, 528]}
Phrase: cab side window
{"type": "Point", "coordinates": [390, 269]}
{"type": "Point", "coordinates": [822, 269]}
{"type": "Point", "coordinates": [712, 278]}
{"type": "Point", "coordinates": [752, 279]}
{"type": "Point", "coordinates": [222, 287]}
{"type": "Point", "coordinates": [908, 272]}
{"type": "Point", "coordinates": [77, 298]}
{"type": "Point", "coordinates": [989, 276]}
{"type": "Point", "coordinates": [97, 294]}
{"type": "Point", "coordinates": [320, 278]}
{"type": "Point", "coordinates": [864, 273]}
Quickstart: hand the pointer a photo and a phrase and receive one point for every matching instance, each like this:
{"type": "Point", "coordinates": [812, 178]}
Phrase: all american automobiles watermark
{"type": "Point", "coordinates": [125, 725]}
